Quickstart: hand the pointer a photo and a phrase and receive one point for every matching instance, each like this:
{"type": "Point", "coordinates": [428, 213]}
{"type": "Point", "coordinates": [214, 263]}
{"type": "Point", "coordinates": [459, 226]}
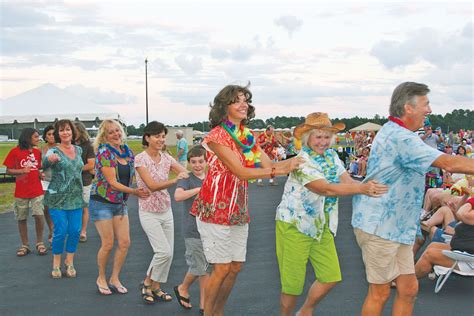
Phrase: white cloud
{"type": "Point", "coordinates": [189, 64]}
{"type": "Point", "coordinates": [18, 15]}
{"type": "Point", "coordinates": [98, 96]}
{"type": "Point", "coordinates": [290, 23]}
{"type": "Point", "coordinates": [442, 50]}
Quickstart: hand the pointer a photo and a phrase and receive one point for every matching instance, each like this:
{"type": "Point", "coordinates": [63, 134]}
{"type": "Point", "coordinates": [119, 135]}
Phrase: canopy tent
{"type": "Point", "coordinates": [369, 126]}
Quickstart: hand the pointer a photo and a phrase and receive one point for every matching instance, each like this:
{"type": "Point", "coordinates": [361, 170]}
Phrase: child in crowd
{"type": "Point", "coordinates": [186, 190]}
{"type": "Point", "coordinates": [24, 162]}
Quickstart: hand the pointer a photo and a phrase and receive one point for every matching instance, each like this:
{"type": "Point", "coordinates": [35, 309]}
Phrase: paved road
{"type": "Point", "coordinates": [26, 287]}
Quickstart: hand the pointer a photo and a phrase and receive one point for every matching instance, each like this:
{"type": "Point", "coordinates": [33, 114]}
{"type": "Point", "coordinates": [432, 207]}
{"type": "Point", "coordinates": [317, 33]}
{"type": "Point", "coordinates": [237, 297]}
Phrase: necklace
{"type": "Point", "coordinates": [124, 148]}
{"type": "Point", "coordinates": [245, 139]}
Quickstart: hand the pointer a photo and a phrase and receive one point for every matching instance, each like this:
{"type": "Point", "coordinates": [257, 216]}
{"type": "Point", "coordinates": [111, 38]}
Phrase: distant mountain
{"type": "Point", "coordinates": [48, 99]}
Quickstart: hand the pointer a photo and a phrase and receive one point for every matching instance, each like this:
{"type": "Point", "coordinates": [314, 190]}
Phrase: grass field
{"type": "Point", "coordinates": [7, 189]}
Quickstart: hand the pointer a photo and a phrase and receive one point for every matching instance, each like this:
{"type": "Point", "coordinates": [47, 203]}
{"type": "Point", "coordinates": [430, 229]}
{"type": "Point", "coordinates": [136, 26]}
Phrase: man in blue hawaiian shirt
{"type": "Point", "coordinates": [385, 228]}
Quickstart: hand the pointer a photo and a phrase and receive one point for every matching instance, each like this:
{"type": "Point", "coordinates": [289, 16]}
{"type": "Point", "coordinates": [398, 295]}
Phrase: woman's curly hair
{"type": "Point", "coordinates": [228, 95]}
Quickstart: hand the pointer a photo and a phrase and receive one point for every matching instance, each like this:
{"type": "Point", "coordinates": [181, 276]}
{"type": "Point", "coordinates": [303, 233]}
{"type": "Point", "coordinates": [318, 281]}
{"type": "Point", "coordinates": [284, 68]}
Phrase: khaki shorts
{"type": "Point", "coordinates": [384, 259]}
{"type": "Point", "coordinates": [223, 243]}
{"type": "Point", "coordinates": [22, 206]}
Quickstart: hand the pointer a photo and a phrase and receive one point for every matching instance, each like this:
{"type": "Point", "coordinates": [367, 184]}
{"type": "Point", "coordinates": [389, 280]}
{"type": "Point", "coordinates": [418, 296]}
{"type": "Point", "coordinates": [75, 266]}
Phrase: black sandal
{"type": "Point", "coordinates": [159, 294]}
{"type": "Point", "coordinates": [181, 299]}
{"type": "Point", "coordinates": [147, 293]}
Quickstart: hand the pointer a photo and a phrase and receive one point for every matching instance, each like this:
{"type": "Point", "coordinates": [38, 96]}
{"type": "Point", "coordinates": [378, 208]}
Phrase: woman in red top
{"type": "Point", "coordinates": [221, 209]}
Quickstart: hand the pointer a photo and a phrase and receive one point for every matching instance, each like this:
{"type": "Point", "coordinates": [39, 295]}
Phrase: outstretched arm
{"type": "Point", "coordinates": [371, 188]}
{"type": "Point", "coordinates": [230, 159]}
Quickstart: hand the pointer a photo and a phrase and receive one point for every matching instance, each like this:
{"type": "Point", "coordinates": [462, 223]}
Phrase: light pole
{"type": "Point", "coordinates": [146, 88]}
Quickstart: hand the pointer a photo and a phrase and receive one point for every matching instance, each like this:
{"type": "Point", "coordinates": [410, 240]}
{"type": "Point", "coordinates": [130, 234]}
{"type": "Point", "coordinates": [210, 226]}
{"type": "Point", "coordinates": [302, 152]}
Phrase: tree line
{"type": "Point", "coordinates": [454, 121]}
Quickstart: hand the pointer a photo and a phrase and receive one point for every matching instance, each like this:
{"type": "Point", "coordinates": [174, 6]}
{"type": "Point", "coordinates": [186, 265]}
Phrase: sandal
{"type": "Point", "coordinates": [83, 238]}
{"type": "Point", "coordinates": [118, 289]}
{"type": "Point", "coordinates": [41, 249]}
{"type": "Point", "coordinates": [56, 273]}
{"type": "Point", "coordinates": [147, 294]}
{"type": "Point", "coordinates": [70, 271]}
{"type": "Point", "coordinates": [23, 251]}
{"type": "Point", "coordinates": [181, 299]}
{"type": "Point", "coordinates": [103, 290]}
{"type": "Point", "coordinates": [161, 295]}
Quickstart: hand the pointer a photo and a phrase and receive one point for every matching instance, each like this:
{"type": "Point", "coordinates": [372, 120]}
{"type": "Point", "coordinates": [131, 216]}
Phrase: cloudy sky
{"type": "Point", "coordinates": [343, 58]}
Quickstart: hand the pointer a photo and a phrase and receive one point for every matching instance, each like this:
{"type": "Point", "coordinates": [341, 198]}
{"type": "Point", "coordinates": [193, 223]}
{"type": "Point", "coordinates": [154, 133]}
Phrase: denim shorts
{"type": "Point", "coordinates": [102, 211]}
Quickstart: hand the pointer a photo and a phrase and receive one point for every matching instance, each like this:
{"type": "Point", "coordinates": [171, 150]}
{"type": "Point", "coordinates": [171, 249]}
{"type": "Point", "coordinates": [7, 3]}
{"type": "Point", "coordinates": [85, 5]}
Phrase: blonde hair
{"type": "Point", "coordinates": [305, 137]}
{"type": "Point", "coordinates": [102, 132]}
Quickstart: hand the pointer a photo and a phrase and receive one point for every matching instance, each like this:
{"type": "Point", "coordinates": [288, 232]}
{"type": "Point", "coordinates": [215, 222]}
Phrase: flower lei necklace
{"type": "Point", "coordinates": [244, 138]}
{"type": "Point", "coordinates": [126, 150]}
{"type": "Point", "coordinates": [330, 173]}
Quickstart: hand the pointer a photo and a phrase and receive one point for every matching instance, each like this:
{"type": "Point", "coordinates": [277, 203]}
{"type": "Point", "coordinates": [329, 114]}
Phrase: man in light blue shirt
{"type": "Point", "coordinates": [385, 228]}
{"type": "Point", "coordinates": [181, 149]}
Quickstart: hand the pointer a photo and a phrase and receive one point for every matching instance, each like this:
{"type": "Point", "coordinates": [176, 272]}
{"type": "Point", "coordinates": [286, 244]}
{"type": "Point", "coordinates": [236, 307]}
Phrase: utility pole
{"type": "Point", "coordinates": [146, 88]}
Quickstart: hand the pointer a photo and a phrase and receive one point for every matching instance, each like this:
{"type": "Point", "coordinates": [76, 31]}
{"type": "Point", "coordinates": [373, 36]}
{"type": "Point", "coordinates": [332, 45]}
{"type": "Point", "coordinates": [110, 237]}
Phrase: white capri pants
{"type": "Point", "coordinates": [159, 227]}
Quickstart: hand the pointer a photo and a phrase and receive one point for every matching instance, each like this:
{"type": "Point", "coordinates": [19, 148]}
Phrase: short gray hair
{"type": "Point", "coordinates": [406, 93]}
{"type": "Point", "coordinates": [179, 132]}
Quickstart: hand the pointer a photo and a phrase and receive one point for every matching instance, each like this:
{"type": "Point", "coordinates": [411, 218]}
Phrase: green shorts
{"type": "Point", "coordinates": [22, 206]}
{"type": "Point", "coordinates": [293, 250]}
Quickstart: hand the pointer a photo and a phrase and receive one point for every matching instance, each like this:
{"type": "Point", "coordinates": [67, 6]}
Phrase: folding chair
{"type": "Point", "coordinates": [464, 261]}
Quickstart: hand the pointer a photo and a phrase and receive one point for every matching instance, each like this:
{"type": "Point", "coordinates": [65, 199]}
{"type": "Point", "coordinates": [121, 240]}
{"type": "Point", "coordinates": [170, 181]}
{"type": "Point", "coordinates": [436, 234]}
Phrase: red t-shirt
{"type": "Point", "coordinates": [28, 185]}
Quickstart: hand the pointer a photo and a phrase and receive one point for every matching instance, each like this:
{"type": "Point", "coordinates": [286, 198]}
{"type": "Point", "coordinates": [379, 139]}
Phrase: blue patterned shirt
{"type": "Point", "coordinates": [399, 159]}
{"type": "Point", "coordinates": [303, 208]}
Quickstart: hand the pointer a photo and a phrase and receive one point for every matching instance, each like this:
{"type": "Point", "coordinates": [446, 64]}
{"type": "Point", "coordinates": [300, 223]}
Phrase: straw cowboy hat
{"type": "Point", "coordinates": [317, 120]}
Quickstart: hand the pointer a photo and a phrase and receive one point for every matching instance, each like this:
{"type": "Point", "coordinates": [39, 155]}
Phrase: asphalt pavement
{"type": "Point", "coordinates": [26, 287]}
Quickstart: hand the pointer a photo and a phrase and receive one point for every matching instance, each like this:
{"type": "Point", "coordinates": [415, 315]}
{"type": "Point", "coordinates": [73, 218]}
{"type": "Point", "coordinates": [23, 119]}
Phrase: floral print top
{"type": "Point", "coordinates": [158, 201]}
{"type": "Point", "coordinates": [223, 198]}
{"type": "Point", "coordinates": [303, 208]}
{"type": "Point", "coordinates": [106, 158]}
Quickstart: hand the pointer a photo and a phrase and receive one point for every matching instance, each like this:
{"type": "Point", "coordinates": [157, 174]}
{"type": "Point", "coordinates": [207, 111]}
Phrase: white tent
{"type": "Point", "coordinates": [369, 126]}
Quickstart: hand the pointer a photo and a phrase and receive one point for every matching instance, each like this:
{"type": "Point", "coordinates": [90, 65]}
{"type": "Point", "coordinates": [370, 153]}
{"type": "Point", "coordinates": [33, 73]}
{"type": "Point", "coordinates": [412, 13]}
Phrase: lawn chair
{"type": "Point", "coordinates": [464, 261]}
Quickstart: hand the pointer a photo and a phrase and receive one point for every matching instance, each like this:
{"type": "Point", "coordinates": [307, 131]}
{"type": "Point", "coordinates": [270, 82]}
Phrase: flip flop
{"type": "Point", "coordinates": [118, 289]}
{"type": "Point", "coordinates": [181, 299]}
{"type": "Point", "coordinates": [103, 290]}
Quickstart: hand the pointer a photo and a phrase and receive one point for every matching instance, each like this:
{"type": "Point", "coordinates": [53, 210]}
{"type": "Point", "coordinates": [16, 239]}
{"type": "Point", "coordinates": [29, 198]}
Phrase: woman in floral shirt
{"type": "Point", "coordinates": [221, 208]}
{"type": "Point", "coordinates": [153, 168]}
{"type": "Point", "coordinates": [114, 170]}
{"type": "Point", "coordinates": [306, 219]}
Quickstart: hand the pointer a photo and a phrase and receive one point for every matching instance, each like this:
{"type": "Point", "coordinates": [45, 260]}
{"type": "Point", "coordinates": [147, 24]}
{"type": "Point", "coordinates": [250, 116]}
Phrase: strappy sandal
{"type": "Point", "coordinates": [56, 273]}
{"type": "Point", "coordinates": [41, 249]}
{"type": "Point", "coordinates": [70, 271]}
{"type": "Point", "coordinates": [161, 295]}
{"type": "Point", "coordinates": [23, 251]}
{"type": "Point", "coordinates": [147, 294]}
